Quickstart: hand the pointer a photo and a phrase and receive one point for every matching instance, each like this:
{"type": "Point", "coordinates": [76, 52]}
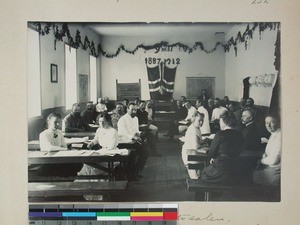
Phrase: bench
{"type": "Point", "coordinates": [209, 188]}
{"type": "Point", "coordinates": [51, 189]}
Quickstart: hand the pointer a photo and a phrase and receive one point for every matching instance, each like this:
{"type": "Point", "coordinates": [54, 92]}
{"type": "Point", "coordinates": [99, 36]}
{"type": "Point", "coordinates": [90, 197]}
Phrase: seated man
{"type": "Point", "coordinates": [73, 122]}
{"type": "Point", "coordinates": [250, 132]}
{"type": "Point", "coordinates": [269, 168]}
{"type": "Point", "coordinates": [215, 117]}
{"type": "Point", "coordinates": [125, 104]}
{"type": "Point", "coordinates": [226, 102]}
{"type": "Point", "coordinates": [128, 128]}
{"type": "Point", "coordinates": [259, 118]}
{"type": "Point", "coordinates": [210, 107]}
{"type": "Point", "coordinates": [109, 105]}
{"type": "Point", "coordinates": [100, 107]}
{"type": "Point", "coordinates": [191, 111]}
{"type": "Point", "coordinates": [89, 115]}
{"type": "Point", "coordinates": [142, 116]}
{"type": "Point", "coordinates": [117, 114]}
{"type": "Point", "coordinates": [252, 143]}
{"type": "Point", "coordinates": [180, 114]}
{"type": "Point", "coordinates": [218, 110]}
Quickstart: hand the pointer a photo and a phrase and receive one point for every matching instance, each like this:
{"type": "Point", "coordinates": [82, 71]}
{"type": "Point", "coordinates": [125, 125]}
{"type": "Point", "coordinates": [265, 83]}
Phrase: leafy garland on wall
{"type": "Point", "coordinates": [60, 33]}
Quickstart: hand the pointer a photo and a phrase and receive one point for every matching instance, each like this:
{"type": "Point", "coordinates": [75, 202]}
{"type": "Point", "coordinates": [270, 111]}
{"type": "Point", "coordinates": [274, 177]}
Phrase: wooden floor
{"type": "Point", "coordinates": [164, 178]}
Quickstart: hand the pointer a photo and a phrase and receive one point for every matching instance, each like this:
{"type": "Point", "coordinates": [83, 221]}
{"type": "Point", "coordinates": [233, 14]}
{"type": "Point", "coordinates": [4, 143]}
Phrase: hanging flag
{"type": "Point", "coordinates": [161, 82]}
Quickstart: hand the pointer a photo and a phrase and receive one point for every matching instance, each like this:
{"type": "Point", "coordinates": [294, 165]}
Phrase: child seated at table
{"type": "Point", "coordinates": [193, 141]}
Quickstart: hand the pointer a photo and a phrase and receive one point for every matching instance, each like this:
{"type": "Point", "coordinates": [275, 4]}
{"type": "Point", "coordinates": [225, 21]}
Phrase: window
{"type": "Point", "coordinates": [71, 84]}
{"type": "Point", "coordinates": [34, 74]}
{"type": "Point", "coordinates": [93, 79]}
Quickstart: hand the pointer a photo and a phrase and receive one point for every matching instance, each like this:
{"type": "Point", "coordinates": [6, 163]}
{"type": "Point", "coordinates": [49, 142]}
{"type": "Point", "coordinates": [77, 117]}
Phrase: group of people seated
{"type": "Point", "coordinates": [129, 123]}
{"type": "Point", "coordinates": [239, 132]}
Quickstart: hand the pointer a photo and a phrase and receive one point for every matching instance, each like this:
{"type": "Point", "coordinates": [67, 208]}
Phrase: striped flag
{"type": "Point", "coordinates": [161, 82]}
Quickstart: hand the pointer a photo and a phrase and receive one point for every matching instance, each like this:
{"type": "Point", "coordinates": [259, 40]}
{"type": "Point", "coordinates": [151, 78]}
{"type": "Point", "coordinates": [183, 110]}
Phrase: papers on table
{"type": "Point", "coordinates": [202, 150]}
{"type": "Point", "coordinates": [76, 140]}
{"type": "Point", "coordinates": [143, 125]}
{"type": "Point", "coordinates": [182, 139]}
{"type": "Point", "coordinates": [44, 186]}
{"type": "Point", "coordinates": [184, 122]}
{"type": "Point", "coordinates": [34, 142]}
{"type": "Point", "coordinates": [264, 140]}
{"type": "Point", "coordinates": [211, 136]}
{"type": "Point", "coordinates": [73, 153]}
{"type": "Point", "coordinates": [162, 112]}
{"type": "Point", "coordinates": [94, 125]}
{"type": "Point", "coordinates": [65, 153]}
{"type": "Point", "coordinates": [112, 152]}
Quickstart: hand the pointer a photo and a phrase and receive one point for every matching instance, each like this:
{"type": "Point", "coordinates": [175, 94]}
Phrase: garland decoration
{"type": "Point", "coordinates": [241, 38]}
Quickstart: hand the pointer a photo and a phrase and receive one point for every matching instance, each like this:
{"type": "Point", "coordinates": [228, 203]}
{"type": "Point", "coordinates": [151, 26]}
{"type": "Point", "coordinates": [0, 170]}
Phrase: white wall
{"type": "Point", "coordinates": [130, 68]}
{"type": "Point", "coordinates": [258, 59]}
{"type": "Point", "coordinates": [53, 94]}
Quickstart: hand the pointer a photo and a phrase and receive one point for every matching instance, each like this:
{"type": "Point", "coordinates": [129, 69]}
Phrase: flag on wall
{"type": "Point", "coordinates": [161, 82]}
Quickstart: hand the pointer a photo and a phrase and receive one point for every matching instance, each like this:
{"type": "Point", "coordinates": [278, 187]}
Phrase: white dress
{"type": "Point", "coordinates": [192, 141]}
{"type": "Point", "coordinates": [108, 140]}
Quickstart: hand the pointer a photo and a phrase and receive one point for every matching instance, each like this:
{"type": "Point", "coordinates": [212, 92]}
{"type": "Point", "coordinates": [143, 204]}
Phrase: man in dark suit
{"type": "Point", "coordinates": [250, 132]}
{"type": "Point", "coordinates": [252, 143]}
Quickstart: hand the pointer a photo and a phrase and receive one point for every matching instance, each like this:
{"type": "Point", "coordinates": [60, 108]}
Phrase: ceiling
{"type": "Point", "coordinates": [148, 29]}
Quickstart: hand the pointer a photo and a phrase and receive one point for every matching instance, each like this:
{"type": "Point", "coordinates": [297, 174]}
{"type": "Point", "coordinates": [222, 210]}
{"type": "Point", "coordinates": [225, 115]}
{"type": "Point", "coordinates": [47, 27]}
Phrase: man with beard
{"type": "Point", "coordinates": [89, 115]}
{"type": "Point", "coordinates": [128, 129]}
{"type": "Point", "coordinates": [73, 122]}
{"type": "Point", "coordinates": [117, 114]}
{"type": "Point", "coordinates": [151, 130]}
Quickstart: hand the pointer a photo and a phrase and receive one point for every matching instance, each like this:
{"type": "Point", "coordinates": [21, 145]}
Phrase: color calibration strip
{"type": "Point", "coordinates": [105, 212]}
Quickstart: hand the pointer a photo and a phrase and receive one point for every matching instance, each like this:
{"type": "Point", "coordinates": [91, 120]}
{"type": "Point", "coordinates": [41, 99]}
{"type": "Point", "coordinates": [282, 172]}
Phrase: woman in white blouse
{"type": "Point", "coordinates": [52, 139]}
{"type": "Point", "coordinates": [107, 137]}
{"type": "Point", "coordinates": [269, 169]}
{"type": "Point", "coordinates": [193, 140]}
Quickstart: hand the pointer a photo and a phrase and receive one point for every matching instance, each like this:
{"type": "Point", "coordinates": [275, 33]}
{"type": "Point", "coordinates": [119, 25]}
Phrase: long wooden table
{"type": "Point", "coordinates": [90, 134]}
{"type": "Point", "coordinates": [35, 144]}
{"type": "Point", "coordinates": [88, 157]}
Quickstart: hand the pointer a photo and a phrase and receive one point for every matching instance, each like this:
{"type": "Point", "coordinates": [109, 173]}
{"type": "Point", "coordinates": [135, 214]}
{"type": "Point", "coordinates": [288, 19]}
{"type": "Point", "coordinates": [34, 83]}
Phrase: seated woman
{"type": "Point", "coordinates": [269, 168]}
{"type": "Point", "coordinates": [107, 137]}
{"type": "Point", "coordinates": [224, 151]}
{"type": "Point", "coordinates": [192, 141]}
{"type": "Point", "coordinates": [52, 139]}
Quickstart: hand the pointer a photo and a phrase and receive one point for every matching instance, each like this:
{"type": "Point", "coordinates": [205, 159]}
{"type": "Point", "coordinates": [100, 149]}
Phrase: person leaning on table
{"type": "Point", "coordinates": [269, 167]}
{"type": "Point", "coordinates": [52, 139]}
{"type": "Point", "coordinates": [107, 137]}
{"type": "Point", "coordinates": [224, 150]}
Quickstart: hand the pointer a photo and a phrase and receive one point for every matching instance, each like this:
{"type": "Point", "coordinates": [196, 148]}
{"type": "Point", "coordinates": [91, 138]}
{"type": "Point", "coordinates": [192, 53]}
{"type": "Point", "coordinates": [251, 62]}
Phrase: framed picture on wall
{"type": "Point", "coordinates": [53, 73]}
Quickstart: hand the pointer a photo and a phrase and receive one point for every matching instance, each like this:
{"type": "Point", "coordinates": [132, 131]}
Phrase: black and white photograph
{"type": "Point", "coordinates": [154, 111]}
{"type": "Point", "coordinates": [188, 108]}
